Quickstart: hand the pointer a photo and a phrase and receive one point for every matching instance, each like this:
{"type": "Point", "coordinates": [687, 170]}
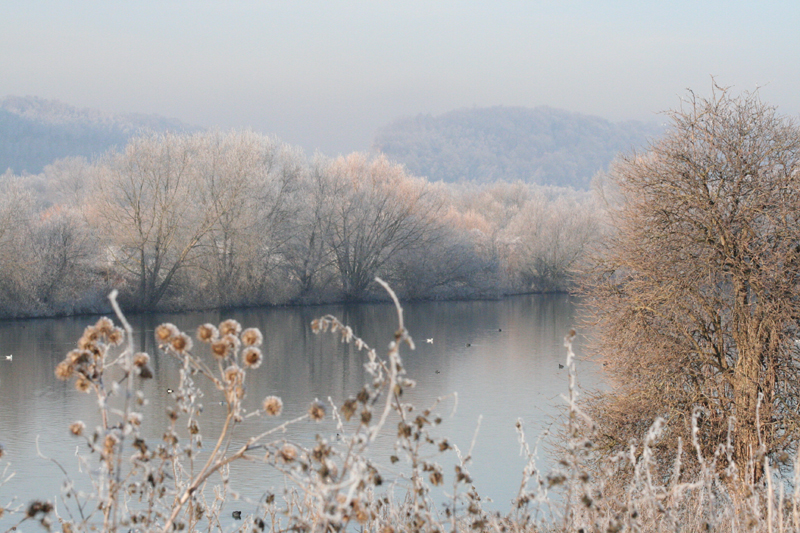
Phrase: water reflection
{"type": "Point", "coordinates": [501, 357]}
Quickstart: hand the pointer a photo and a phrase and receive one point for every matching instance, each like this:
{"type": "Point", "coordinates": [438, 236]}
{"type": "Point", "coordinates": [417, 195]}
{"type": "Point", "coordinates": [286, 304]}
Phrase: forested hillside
{"type": "Point", "coordinates": [544, 146]}
{"type": "Point", "coordinates": [34, 132]}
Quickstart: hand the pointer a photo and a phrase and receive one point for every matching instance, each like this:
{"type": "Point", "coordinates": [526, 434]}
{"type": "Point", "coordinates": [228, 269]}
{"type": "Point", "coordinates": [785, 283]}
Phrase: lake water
{"type": "Point", "coordinates": [500, 357]}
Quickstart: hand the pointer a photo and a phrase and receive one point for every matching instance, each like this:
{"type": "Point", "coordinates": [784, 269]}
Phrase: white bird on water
{"type": "Point", "coordinates": [9, 357]}
{"type": "Point", "coordinates": [429, 341]}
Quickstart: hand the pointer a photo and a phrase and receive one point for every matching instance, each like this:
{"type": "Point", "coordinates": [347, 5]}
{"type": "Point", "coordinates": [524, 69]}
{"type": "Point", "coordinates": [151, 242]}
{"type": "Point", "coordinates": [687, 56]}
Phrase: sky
{"type": "Point", "coordinates": [326, 75]}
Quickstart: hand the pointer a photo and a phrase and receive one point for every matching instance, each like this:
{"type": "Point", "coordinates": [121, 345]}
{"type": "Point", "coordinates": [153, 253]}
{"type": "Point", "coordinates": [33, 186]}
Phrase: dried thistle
{"type": "Point", "coordinates": [64, 370]}
{"type": "Point", "coordinates": [316, 411]}
{"type": "Point", "coordinates": [165, 333]}
{"type": "Point", "coordinates": [230, 327]}
{"type": "Point", "coordinates": [207, 333]}
{"type": "Point", "coordinates": [288, 453]}
{"type": "Point", "coordinates": [82, 384]}
{"type": "Point", "coordinates": [221, 349]}
{"type": "Point", "coordinates": [252, 357]}
{"type": "Point", "coordinates": [233, 374]}
{"type": "Point", "coordinates": [252, 337]}
{"type": "Point", "coordinates": [181, 343]}
{"type": "Point", "coordinates": [273, 405]}
{"type": "Point", "coordinates": [115, 336]}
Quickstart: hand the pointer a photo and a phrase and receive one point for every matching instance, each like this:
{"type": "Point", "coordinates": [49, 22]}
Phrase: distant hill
{"type": "Point", "coordinates": [34, 132]}
{"type": "Point", "coordinates": [541, 145]}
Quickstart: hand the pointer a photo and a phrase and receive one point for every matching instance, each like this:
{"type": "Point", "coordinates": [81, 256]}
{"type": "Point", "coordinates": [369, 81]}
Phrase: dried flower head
{"type": "Point", "coordinates": [109, 444]}
{"type": "Point", "coordinates": [64, 370]}
{"type": "Point", "coordinates": [273, 405]}
{"type": "Point", "coordinates": [181, 343]}
{"type": "Point", "coordinates": [77, 357]}
{"type": "Point", "coordinates": [252, 337]}
{"type": "Point", "coordinates": [317, 411]}
{"type": "Point", "coordinates": [141, 359]}
{"type": "Point", "coordinates": [252, 357]}
{"type": "Point", "coordinates": [230, 327]}
{"type": "Point", "coordinates": [104, 326]}
{"type": "Point", "coordinates": [116, 336]}
{"type": "Point", "coordinates": [36, 507]}
{"type": "Point", "coordinates": [288, 453]}
{"type": "Point", "coordinates": [90, 334]}
{"type": "Point", "coordinates": [135, 419]}
{"type": "Point", "coordinates": [232, 340]}
{"type": "Point", "coordinates": [165, 332]}
{"type": "Point", "coordinates": [87, 342]}
{"type": "Point", "coordinates": [76, 428]}
{"type": "Point", "coordinates": [207, 333]}
{"type": "Point", "coordinates": [220, 348]}
{"type": "Point", "coordinates": [349, 408]}
{"type": "Point", "coordinates": [233, 374]}
{"type": "Point", "coordinates": [82, 384]}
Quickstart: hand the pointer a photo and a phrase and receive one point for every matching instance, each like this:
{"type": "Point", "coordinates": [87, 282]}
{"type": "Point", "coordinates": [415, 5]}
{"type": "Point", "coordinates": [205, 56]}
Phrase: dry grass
{"type": "Point", "coordinates": [181, 483]}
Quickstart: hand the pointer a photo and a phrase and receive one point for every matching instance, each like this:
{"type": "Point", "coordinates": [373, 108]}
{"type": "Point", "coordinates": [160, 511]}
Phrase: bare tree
{"type": "Point", "coordinates": [547, 240]}
{"type": "Point", "coordinates": [695, 300]}
{"type": "Point", "coordinates": [16, 216]}
{"type": "Point", "coordinates": [243, 184]}
{"type": "Point", "coordinates": [307, 250]}
{"type": "Point", "coordinates": [146, 207]}
{"type": "Point", "coordinates": [379, 211]}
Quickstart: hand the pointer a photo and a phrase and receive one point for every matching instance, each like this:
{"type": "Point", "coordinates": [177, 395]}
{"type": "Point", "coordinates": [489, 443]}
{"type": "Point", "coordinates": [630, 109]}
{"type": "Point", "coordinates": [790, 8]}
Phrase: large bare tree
{"type": "Point", "coordinates": [378, 211]}
{"type": "Point", "coordinates": [243, 183]}
{"type": "Point", "coordinates": [146, 206]}
{"type": "Point", "coordinates": [696, 298]}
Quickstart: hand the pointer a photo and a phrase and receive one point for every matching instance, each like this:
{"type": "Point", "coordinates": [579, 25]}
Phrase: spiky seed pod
{"type": "Point", "coordinates": [230, 327]}
{"type": "Point", "coordinates": [82, 384]}
{"type": "Point", "coordinates": [90, 334]}
{"type": "Point", "coordinates": [220, 348]}
{"type": "Point", "coordinates": [252, 357]}
{"type": "Point", "coordinates": [181, 343]}
{"type": "Point", "coordinates": [116, 336]}
{"type": "Point", "coordinates": [135, 419]}
{"type": "Point", "coordinates": [109, 444]}
{"type": "Point", "coordinates": [104, 326]}
{"type": "Point", "coordinates": [233, 374]}
{"type": "Point", "coordinates": [252, 337]}
{"type": "Point", "coordinates": [165, 332]}
{"type": "Point", "coordinates": [86, 343]}
{"type": "Point", "coordinates": [273, 405]}
{"type": "Point", "coordinates": [37, 507]}
{"type": "Point", "coordinates": [232, 340]}
{"type": "Point", "coordinates": [77, 357]}
{"type": "Point", "coordinates": [64, 370]}
{"type": "Point", "coordinates": [76, 428]}
{"type": "Point", "coordinates": [316, 411]}
{"type": "Point", "coordinates": [207, 333]}
{"type": "Point", "coordinates": [141, 359]}
{"type": "Point", "coordinates": [288, 453]}
{"type": "Point", "coordinates": [349, 408]}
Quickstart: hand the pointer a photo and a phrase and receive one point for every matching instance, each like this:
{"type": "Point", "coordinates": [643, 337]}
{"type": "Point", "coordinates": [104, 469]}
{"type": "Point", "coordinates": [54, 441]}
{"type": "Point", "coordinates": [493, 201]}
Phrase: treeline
{"type": "Point", "coordinates": [181, 221]}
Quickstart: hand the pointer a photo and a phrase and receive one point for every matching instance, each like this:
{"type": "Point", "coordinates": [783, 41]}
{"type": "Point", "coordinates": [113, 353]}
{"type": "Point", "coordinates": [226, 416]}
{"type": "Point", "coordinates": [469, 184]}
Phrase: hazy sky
{"type": "Point", "coordinates": [327, 74]}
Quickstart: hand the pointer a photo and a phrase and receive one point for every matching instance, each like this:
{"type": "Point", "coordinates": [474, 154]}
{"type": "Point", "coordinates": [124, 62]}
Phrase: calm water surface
{"type": "Point", "coordinates": [500, 357]}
